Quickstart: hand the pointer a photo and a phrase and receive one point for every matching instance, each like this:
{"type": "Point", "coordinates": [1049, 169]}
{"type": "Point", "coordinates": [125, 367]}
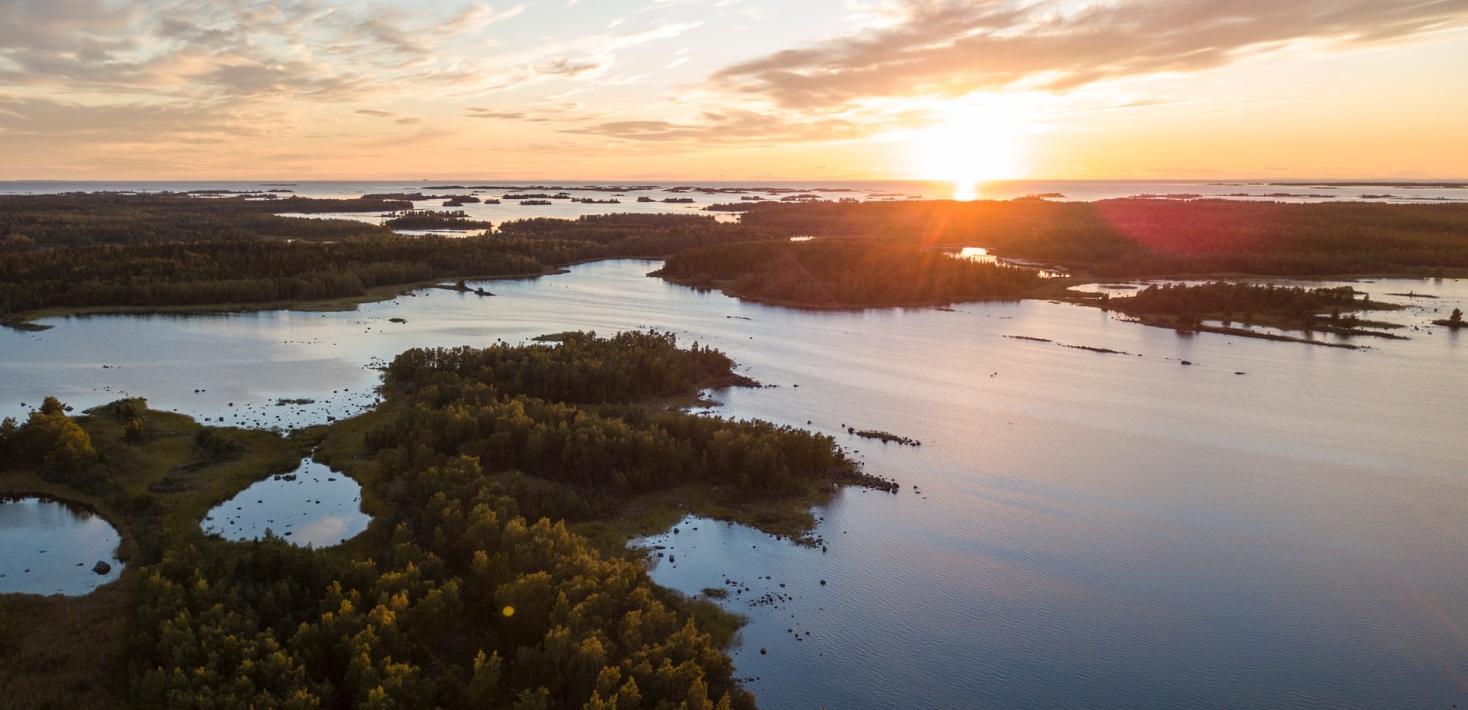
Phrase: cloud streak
{"type": "Point", "coordinates": [955, 47]}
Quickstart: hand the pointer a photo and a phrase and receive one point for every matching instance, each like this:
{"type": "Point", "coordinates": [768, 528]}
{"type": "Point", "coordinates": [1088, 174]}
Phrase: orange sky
{"type": "Point", "coordinates": [733, 89]}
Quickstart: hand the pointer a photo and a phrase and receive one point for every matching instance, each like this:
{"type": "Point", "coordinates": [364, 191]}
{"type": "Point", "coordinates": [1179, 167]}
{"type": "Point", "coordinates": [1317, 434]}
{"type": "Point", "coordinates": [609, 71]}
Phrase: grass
{"type": "Point", "coordinates": [64, 652]}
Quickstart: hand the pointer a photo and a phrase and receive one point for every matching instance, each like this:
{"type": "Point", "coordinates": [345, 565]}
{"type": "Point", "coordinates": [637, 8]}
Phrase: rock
{"type": "Point", "coordinates": [101, 567]}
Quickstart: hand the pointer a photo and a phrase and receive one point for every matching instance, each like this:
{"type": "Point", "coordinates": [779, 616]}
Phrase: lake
{"type": "Point", "coordinates": [1087, 529]}
{"type": "Point", "coordinates": [53, 547]}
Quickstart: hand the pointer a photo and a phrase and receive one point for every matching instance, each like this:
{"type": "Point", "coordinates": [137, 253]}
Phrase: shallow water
{"type": "Point", "coordinates": [1094, 530]}
{"type": "Point", "coordinates": [309, 506]}
{"type": "Point", "coordinates": [51, 547]}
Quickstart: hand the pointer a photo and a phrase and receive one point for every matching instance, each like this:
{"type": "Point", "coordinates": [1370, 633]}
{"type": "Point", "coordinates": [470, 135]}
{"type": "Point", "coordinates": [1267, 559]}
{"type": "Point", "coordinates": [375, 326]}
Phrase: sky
{"type": "Point", "coordinates": [733, 89]}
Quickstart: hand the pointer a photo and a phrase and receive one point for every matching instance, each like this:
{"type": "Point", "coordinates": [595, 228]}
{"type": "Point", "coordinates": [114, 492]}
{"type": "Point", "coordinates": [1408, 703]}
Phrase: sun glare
{"type": "Point", "coordinates": [968, 151]}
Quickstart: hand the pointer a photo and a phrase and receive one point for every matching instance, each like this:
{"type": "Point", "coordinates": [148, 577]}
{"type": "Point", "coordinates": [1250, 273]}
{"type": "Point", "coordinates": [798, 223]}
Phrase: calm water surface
{"type": "Point", "coordinates": [1088, 530]}
{"type": "Point", "coordinates": [50, 547]}
{"type": "Point", "coordinates": [309, 506]}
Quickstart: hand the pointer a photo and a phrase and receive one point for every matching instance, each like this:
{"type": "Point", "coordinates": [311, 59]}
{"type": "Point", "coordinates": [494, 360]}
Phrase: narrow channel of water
{"type": "Point", "coordinates": [311, 505]}
{"type": "Point", "coordinates": [53, 547]}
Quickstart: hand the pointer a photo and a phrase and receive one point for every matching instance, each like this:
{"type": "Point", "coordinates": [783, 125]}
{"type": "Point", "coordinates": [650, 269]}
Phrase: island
{"type": "Point", "coordinates": [503, 483]}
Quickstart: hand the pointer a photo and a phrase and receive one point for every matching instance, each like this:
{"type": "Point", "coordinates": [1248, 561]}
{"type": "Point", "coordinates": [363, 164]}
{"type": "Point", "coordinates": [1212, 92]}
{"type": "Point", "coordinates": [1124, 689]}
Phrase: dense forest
{"type": "Point", "coordinates": [434, 219]}
{"type": "Point", "coordinates": [1142, 237]}
{"type": "Point", "coordinates": [516, 408]}
{"type": "Point", "coordinates": [845, 274]}
{"type": "Point", "coordinates": [1283, 305]}
{"type": "Point", "coordinates": [468, 590]}
{"type": "Point", "coordinates": [260, 271]}
{"type": "Point", "coordinates": [127, 218]}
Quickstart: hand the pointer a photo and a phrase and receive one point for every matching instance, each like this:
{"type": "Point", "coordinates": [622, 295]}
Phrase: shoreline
{"type": "Point", "coordinates": [1056, 289]}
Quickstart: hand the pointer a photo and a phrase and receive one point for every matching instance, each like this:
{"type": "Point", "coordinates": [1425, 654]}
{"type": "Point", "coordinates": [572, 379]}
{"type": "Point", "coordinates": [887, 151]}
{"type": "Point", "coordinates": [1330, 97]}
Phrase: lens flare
{"type": "Point", "coordinates": [970, 149]}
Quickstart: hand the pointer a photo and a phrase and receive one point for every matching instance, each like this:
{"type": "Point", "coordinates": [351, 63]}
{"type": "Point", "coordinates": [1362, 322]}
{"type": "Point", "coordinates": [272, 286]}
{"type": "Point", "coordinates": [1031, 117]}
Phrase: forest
{"type": "Point", "coordinates": [238, 272]}
{"type": "Point", "coordinates": [853, 273]}
{"type": "Point", "coordinates": [468, 589]}
{"type": "Point", "coordinates": [75, 219]}
{"type": "Point", "coordinates": [1271, 304]}
{"type": "Point", "coordinates": [1145, 237]}
{"type": "Point", "coordinates": [434, 219]}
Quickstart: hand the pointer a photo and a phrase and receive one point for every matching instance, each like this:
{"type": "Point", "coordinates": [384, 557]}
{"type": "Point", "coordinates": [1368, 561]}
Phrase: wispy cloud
{"type": "Point", "coordinates": [954, 47]}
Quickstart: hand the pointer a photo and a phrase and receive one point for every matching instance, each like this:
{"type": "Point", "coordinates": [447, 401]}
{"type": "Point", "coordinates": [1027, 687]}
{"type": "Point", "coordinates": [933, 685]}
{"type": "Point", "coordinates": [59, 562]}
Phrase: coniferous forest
{"type": "Point", "coordinates": [1150, 237]}
{"type": "Point", "coordinates": [227, 261]}
{"type": "Point", "coordinates": [468, 589]}
{"type": "Point", "coordinates": [845, 274]}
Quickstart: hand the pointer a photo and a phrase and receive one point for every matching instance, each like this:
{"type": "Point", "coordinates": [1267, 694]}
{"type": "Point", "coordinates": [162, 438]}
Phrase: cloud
{"type": "Point", "coordinates": [208, 50]}
{"type": "Point", "coordinates": [49, 120]}
{"type": "Point", "coordinates": [744, 128]}
{"type": "Point", "coordinates": [955, 47]}
{"type": "Point", "coordinates": [582, 58]}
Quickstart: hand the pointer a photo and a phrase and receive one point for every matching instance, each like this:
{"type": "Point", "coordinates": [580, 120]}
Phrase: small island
{"type": "Point", "coordinates": [843, 274]}
{"type": "Point", "coordinates": [1189, 308]}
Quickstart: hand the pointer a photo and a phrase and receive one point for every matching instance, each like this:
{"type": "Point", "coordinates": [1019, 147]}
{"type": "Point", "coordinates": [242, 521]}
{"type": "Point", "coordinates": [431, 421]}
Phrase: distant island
{"type": "Point", "coordinates": [112, 252]}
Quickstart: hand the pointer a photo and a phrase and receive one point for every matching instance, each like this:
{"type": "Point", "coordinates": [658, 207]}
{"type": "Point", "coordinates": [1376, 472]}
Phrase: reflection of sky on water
{"type": "Point", "coordinates": [47, 547]}
{"type": "Point", "coordinates": [1089, 529]}
{"type": "Point", "coordinates": [319, 507]}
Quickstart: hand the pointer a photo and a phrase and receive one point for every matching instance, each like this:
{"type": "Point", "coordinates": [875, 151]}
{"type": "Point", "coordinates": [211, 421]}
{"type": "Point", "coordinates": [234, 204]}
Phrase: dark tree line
{"type": "Point", "coordinates": [581, 367]}
{"type": "Point", "coordinates": [1141, 237]}
{"type": "Point", "coordinates": [434, 219]}
{"type": "Point", "coordinates": [1224, 298]}
{"type": "Point", "coordinates": [28, 221]}
{"type": "Point", "coordinates": [515, 408]}
{"type": "Point", "coordinates": [256, 271]}
{"type": "Point", "coordinates": [846, 273]}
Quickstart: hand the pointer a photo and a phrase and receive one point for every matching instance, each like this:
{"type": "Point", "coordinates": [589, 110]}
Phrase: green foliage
{"type": "Point", "coordinates": [1141, 237]}
{"type": "Point", "coordinates": [122, 218]}
{"type": "Point", "coordinates": [467, 606]}
{"type": "Point", "coordinates": [257, 271]}
{"type": "Point", "coordinates": [215, 442]}
{"type": "Point", "coordinates": [457, 600]}
{"type": "Point", "coordinates": [1189, 301]}
{"type": "Point", "coordinates": [578, 367]}
{"type": "Point", "coordinates": [51, 440]}
{"type": "Point", "coordinates": [435, 219]}
{"type": "Point", "coordinates": [846, 273]}
{"type": "Point", "coordinates": [499, 405]}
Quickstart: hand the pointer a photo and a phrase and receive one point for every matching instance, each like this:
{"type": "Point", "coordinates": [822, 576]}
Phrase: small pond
{"type": "Point", "coordinates": [312, 505]}
{"type": "Point", "coordinates": [52, 547]}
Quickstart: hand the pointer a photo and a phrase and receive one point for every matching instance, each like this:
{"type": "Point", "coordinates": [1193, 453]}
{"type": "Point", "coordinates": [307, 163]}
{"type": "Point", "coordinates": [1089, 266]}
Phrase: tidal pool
{"type": "Point", "coordinates": [53, 547]}
{"type": "Point", "coordinates": [311, 505]}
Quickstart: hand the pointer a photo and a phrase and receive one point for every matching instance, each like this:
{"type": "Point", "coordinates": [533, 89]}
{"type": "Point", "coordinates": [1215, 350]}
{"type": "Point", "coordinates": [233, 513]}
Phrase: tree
{"type": "Point", "coordinates": [1456, 319]}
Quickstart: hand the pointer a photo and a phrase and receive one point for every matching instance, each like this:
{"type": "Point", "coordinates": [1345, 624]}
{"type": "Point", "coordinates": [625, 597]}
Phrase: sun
{"type": "Point", "coordinates": [970, 149]}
